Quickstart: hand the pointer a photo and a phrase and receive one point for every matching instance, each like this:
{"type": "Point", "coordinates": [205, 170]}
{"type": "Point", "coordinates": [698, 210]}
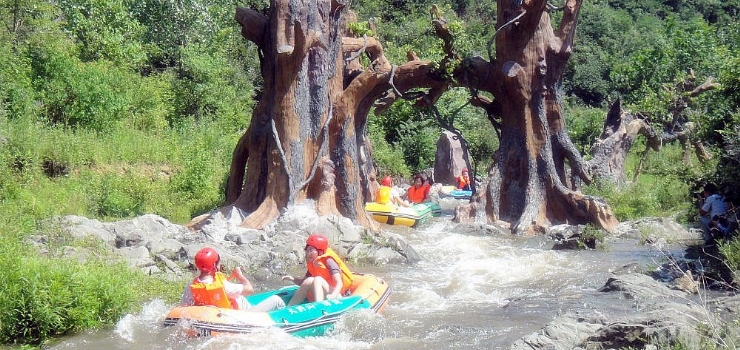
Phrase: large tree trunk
{"type": "Point", "coordinates": [529, 184]}
{"type": "Point", "coordinates": [302, 141]}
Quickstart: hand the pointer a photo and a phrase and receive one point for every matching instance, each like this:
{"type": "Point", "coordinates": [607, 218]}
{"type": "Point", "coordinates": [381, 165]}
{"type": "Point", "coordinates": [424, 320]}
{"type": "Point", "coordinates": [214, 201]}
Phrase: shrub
{"type": "Point", "coordinates": [47, 297]}
{"type": "Point", "coordinates": [388, 158]}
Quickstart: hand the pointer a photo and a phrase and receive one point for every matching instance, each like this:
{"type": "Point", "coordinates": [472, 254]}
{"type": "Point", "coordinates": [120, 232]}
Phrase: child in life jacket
{"type": "Point", "coordinates": [327, 276]}
{"type": "Point", "coordinates": [463, 181]}
{"type": "Point", "coordinates": [387, 194]}
{"type": "Point", "coordinates": [212, 287]}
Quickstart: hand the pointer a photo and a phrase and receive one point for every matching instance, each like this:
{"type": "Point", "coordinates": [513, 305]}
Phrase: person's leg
{"type": "Point", "coordinates": [302, 292]}
{"type": "Point", "coordinates": [272, 303]}
{"type": "Point", "coordinates": [320, 288]}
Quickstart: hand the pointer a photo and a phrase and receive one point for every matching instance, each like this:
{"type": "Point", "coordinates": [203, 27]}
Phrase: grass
{"type": "Point", "coordinates": [661, 190]}
{"type": "Point", "coordinates": [49, 172]}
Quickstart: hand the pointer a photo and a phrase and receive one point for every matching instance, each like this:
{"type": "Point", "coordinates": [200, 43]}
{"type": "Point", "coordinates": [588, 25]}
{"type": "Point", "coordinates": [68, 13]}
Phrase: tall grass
{"type": "Point", "coordinates": [113, 175]}
{"type": "Point", "coordinates": [53, 171]}
{"type": "Point", "coordinates": [661, 189]}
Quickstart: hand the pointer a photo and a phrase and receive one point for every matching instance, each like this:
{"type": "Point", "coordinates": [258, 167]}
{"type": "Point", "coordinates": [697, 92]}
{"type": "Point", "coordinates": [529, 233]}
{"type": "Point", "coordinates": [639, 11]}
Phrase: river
{"type": "Point", "coordinates": [470, 291]}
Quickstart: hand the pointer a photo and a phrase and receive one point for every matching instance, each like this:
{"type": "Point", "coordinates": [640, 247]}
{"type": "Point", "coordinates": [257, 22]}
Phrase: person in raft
{"type": "Point", "coordinates": [419, 191]}
{"type": "Point", "coordinates": [212, 287]}
{"type": "Point", "coordinates": [387, 194]}
{"type": "Point", "coordinates": [327, 276]}
{"type": "Point", "coordinates": [463, 181]}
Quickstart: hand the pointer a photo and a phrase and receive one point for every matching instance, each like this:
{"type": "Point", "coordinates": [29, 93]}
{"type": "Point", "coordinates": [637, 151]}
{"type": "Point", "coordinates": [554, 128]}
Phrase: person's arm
{"type": "Point", "coordinates": [296, 280]}
{"type": "Point", "coordinates": [247, 288]}
{"type": "Point", "coordinates": [336, 292]}
{"type": "Point", "coordinates": [336, 275]}
{"type": "Point", "coordinates": [187, 297]}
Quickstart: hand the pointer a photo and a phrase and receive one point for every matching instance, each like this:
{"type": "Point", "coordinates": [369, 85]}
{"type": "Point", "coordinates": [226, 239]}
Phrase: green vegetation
{"type": "Point", "coordinates": [111, 109]}
{"type": "Point", "coordinates": [54, 293]}
{"type": "Point", "coordinates": [592, 237]}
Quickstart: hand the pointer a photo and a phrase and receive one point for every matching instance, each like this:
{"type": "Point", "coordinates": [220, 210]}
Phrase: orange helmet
{"type": "Point", "coordinates": [318, 241]}
{"type": "Point", "coordinates": [387, 181]}
{"type": "Point", "coordinates": [207, 259]}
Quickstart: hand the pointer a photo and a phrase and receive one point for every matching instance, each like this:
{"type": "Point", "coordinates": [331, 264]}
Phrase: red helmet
{"type": "Point", "coordinates": [318, 241]}
{"type": "Point", "coordinates": [465, 170]}
{"type": "Point", "coordinates": [206, 259]}
{"type": "Point", "coordinates": [387, 181]}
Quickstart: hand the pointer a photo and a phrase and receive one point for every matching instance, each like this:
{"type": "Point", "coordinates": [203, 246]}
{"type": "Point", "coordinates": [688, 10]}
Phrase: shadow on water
{"type": "Point", "coordinates": [471, 290]}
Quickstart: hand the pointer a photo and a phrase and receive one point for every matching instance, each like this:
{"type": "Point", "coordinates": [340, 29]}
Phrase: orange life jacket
{"type": "Point", "coordinates": [212, 293]}
{"type": "Point", "coordinates": [384, 195]}
{"type": "Point", "coordinates": [319, 268]}
{"type": "Point", "coordinates": [462, 182]}
{"type": "Point", "coordinates": [418, 195]}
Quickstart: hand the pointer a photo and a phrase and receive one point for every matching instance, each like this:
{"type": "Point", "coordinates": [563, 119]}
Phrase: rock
{"type": "Point", "coordinates": [138, 257]}
{"type": "Point", "coordinates": [170, 248]}
{"type": "Point", "coordinates": [686, 283]}
{"type": "Point", "coordinates": [562, 333]}
{"type": "Point", "coordinates": [81, 227]}
{"type": "Point", "coordinates": [170, 264]}
{"type": "Point", "coordinates": [653, 229]}
{"type": "Point", "coordinates": [659, 316]}
{"type": "Point", "coordinates": [449, 160]}
{"type": "Point", "coordinates": [639, 286]}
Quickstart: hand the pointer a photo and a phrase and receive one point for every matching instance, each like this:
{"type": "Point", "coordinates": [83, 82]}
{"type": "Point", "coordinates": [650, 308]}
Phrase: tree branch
{"type": "Point", "coordinates": [567, 30]}
{"type": "Point", "coordinates": [253, 24]}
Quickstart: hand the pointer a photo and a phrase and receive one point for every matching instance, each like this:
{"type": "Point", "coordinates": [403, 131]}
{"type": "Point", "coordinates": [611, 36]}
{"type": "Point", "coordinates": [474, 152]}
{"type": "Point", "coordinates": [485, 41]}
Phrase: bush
{"type": "Point", "coordinates": [47, 296]}
{"type": "Point", "coordinates": [388, 158]}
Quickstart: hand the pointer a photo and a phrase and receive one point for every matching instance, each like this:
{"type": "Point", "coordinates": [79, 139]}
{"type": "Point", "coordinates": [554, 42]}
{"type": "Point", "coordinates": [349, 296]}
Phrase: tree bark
{"type": "Point", "coordinates": [529, 185]}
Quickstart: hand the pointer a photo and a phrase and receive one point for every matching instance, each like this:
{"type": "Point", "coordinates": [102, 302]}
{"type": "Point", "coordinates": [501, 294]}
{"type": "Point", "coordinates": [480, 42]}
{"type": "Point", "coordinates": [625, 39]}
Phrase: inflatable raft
{"type": "Point", "coordinates": [308, 319]}
{"type": "Point", "coordinates": [451, 191]}
{"type": "Point", "coordinates": [407, 216]}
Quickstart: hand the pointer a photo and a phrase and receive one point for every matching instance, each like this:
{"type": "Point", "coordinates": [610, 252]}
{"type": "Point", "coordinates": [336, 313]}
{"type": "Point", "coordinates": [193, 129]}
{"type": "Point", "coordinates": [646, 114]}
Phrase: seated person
{"type": "Point", "coordinates": [463, 181]}
{"type": "Point", "coordinates": [328, 277]}
{"type": "Point", "coordinates": [724, 226]}
{"type": "Point", "coordinates": [387, 194]}
{"type": "Point", "coordinates": [212, 287]}
{"type": "Point", "coordinates": [419, 191]}
{"type": "Point", "coordinates": [713, 205]}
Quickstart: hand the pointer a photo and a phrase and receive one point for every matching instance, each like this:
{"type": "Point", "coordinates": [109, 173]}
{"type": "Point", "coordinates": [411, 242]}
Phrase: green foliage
{"type": "Point", "coordinates": [105, 30]}
{"type": "Point", "coordinates": [584, 125]}
{"type": "Point", "coordinates": [113, 175]}
{"type": "Point", "coordinates": [360, 29]}
{"type": "Point", "coordinates": [386, 155]}
{"type": "Point", "coordinates": [662, 190]}
{"type": "Point", "coordinates": [679, 46]}
{"type": "Point", "coordinates": [730, 251]}
{"type": "Point", "coordinates": [49, 295]}
{"type": "Point", "coordinates": [591, 237]}
{"type": "Point", "coordinates": [210, 88]}
{"type": "Point", "coordinates": [16, 90]}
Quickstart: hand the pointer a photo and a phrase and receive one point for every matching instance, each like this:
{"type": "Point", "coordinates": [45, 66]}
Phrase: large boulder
{"type": "Point", "coordinates": [449, 160]}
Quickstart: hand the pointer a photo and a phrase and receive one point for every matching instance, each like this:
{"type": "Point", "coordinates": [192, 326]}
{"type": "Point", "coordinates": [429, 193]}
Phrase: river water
{"type": "Point", "coordinates": [470, 291]}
